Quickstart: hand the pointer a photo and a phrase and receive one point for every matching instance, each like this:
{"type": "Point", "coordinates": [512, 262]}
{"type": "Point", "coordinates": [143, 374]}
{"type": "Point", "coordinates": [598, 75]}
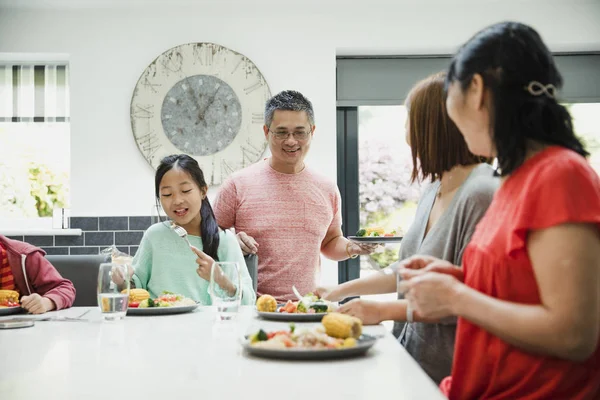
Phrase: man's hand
{"type": "Point", "coordinates": [247, 243]}
{"type": "Point", "coordinates": [37, 304]}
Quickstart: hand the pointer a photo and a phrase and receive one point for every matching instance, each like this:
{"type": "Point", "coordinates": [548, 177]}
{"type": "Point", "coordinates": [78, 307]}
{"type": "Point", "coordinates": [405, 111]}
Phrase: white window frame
{"type": "Point", "coordinates": [38, 225]}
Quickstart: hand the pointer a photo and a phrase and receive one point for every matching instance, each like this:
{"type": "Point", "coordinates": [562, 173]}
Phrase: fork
{"type": "Point", "coordinates": [180, 230]}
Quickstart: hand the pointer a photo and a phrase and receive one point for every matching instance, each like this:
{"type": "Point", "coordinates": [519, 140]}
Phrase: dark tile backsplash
{"type": "Point", "coordinates": [68, 240]}
{"type": "Point", "coordinates": [128, 238]}
{"type": "Point", "coordinates": [114, 223]}
{"type": "Point", "coordinates": [56, 251]}
{"type": "Point", "coordinates": [85, 223]}
{"type": "Point", "coordinates": [98, 234]}
{"type": "Point", "coordinates": [139, 223]}
{"type": "Point", "coordinates": [84, 250]}
{"type": "Point", "coordinates": [39, 240]}
{"type": "Point", "coordinates": [99, 238]}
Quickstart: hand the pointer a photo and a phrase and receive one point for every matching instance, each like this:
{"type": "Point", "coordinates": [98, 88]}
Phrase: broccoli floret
{"type": "Point", "coordinates": [375, 234]}
{"type": "Point", "coordinates": [152, 303]}
{"type": "Point", "coordinates": [262, 336]}
{"type": "Point", "coordinates": [361, 232]}
{"type": "Point", "coordinates": [319, 307]}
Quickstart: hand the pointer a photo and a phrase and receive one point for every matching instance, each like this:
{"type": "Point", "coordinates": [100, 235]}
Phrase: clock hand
{"type": "Point", "coordinates": [208, 104]}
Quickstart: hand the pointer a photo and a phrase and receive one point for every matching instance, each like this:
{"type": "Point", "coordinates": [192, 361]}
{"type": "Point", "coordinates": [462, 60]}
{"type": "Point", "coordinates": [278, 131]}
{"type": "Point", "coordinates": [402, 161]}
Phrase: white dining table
{"type": "Point", "coordinates": [189, 355]}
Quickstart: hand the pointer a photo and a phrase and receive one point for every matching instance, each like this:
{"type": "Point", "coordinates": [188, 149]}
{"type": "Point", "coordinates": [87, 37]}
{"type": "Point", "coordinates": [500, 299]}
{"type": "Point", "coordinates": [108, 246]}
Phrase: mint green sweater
{"type": "Point", "coordinates": [164, 261]}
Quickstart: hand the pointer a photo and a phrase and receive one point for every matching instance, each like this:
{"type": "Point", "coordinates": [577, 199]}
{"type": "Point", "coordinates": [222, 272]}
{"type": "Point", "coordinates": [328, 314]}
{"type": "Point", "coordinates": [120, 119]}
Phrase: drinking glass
{"type": "Point", "coordinates": [225, 289]}
{"type": "Point", "coordinates": [113, 291]}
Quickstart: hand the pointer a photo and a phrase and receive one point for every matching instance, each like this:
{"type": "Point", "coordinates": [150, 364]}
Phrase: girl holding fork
{"type": "Point", "coordinates": [164, 260]}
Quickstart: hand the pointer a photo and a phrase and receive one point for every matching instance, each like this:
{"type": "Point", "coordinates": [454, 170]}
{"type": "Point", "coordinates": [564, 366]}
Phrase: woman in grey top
{"type": "Point", "coordinates": [449, 209]}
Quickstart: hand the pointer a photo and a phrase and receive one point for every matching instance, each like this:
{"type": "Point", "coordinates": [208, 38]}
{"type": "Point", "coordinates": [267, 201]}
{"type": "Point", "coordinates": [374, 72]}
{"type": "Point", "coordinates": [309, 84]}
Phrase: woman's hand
{"type": "Point", "coordinates": [432, 294]}
{"type": "Point", "coordinates": [37, 304]}
{"type": "Point", "coordinates": [369, 312]}
{"type": "Point", "coordinates": [419, 265]}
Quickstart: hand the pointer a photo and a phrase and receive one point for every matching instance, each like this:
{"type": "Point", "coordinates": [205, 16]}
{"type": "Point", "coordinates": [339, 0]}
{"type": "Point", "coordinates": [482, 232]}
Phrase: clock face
{"type": "Point", "coordinates": [204, 100]}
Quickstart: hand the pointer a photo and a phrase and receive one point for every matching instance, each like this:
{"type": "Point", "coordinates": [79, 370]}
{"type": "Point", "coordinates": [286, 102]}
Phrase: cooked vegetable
{"type": "Point", "coordinates": [266, 303]}
{"type": "Point", "coordinates": [361, 232]}
{"type": "Point", "coordinates": [301, 307]}
{"type": "Point", "coordinates": [292, 327]}
{"type": "Point", "coordinates": [342, 326]}
{"type": "Point", "coordinates": [319, 307]}
{"type": "Point", "coordinates": [262, 336]}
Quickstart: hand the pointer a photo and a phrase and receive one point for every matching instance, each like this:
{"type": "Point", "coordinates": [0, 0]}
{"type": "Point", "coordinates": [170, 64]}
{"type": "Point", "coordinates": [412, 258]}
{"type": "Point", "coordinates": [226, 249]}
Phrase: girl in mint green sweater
{"type": "Point", "coordinates": [164, 261]}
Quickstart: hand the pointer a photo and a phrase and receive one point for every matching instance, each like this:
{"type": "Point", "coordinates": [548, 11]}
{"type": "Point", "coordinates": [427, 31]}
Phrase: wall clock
{"type": "Point", "coordinates": [204, 100]}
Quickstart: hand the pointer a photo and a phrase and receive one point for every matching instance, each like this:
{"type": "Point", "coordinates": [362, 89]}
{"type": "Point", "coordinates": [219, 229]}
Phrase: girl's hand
{"type": "Point", "coordinates": [432, 294]}
{"type": "Point", "coordinates": [204, 262]}
{"type": "Point", "coordinates": [367, 311]}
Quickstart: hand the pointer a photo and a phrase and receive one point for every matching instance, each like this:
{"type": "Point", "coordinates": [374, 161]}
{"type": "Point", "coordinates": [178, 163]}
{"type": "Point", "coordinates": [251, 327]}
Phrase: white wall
{"type": "Point", "coordinates": [294, 44]}
{"type": "Point", "coordinates": [111, 42]}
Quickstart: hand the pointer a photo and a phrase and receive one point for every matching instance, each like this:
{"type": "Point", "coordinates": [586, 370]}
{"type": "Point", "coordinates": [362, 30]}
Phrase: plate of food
{"type": "Point", "coordinates": [377, 235]}
{"type": "Point", "coordinates": [9, 303]}
{"type": "Point", "coordinates": [310, 309]}
{"type": "Point", "coordinates": [140, 303]}
{"type": "Point", "coordinates": [339, 336]}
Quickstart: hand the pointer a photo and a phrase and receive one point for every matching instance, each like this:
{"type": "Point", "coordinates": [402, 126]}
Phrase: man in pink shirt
{"type": "Point", "coordinates": [283, 211]}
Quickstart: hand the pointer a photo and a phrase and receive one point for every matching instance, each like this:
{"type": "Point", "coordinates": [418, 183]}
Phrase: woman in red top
{"type": "Point", "coordinates": [528, 296]}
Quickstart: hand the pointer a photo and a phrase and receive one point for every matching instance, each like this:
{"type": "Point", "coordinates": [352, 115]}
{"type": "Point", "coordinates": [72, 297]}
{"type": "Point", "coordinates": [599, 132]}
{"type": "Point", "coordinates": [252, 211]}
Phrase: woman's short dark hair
{"type": "Point", "coordinates": [209, 230]}
{"type": "Point", "coordinates": [436, 143]}
{"type": "Point", "coordinates": [509, 56]}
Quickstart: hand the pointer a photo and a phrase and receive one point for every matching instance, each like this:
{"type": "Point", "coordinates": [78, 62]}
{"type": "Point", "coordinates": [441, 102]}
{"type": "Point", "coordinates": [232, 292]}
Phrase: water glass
{"type": "Point", "coordinates": [113, 290]}
{"type": "Point", "coordinates": [225, 289]}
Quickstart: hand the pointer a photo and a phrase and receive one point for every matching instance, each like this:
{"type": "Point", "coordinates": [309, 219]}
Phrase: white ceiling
{"type": "Point", "coordinates": [345, 4]}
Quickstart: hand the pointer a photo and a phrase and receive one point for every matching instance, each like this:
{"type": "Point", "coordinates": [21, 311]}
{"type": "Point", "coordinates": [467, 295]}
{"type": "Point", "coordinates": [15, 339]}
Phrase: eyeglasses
{"type": "Point", "coordinates": [298, 135]}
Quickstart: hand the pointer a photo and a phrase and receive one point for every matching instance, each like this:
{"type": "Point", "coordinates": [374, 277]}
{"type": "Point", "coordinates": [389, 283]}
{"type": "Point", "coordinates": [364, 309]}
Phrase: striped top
{"type": "Point", "coordinates": [164, 261]}
{"type": "Point", "coordinates": [7, 280]}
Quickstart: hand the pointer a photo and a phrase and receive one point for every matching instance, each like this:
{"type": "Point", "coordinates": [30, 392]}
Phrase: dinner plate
{"type": "Point", "coordinates": [363, 344]}
{"type": "Point", "coordinates": [11, 310]}
{"type": "Point", "coordinates": [376, 239]}
{"type": "Point", "coordinates": [292, 317]}
{"type": "Point", "coordinates": [161, 310]}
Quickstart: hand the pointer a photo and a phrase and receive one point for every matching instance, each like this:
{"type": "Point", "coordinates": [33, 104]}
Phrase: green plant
{"type": "Point", "coordinates": [47, 188]}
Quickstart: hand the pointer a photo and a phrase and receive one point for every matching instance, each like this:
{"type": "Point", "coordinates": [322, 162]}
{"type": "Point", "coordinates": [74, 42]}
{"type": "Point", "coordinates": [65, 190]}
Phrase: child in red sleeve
{"type": "Point", "coordinates": [24, 269]}
{"type": "Point", "coordinates": [528, 297]}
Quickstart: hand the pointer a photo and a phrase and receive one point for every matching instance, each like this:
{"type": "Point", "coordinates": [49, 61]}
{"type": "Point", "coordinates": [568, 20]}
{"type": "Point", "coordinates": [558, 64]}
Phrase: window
{"type": "Point", "coordinates": [34, 132]}
{"type": "Point", "coordinates": [586, 122]}
{"type": "Point", "coordinates": [374, 161]}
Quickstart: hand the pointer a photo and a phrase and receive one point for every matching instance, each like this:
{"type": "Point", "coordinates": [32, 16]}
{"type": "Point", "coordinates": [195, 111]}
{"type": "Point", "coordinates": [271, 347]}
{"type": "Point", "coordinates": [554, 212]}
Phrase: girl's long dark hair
{"type": "Point", "coordinates": [509, 56]}
{"type": "Point", "coordinates": [209, 230]}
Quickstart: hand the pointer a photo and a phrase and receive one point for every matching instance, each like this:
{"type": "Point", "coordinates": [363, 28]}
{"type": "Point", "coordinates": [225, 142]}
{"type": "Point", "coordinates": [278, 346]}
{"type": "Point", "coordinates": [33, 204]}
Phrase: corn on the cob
{"type": "Point", "coordinates": [137, 295]}
{"type": "Point", "coordinates": [342, 326]}
{"type": "Point", "coordinates": [9, 295]}
{"type": "Point", "coordinates": [266, 303]}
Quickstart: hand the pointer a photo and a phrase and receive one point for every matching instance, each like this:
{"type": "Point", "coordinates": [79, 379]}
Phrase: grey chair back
{"type": "Point", "coordinates": [252, 265]}
{"type": "Point", "coordinates": [82, 270]}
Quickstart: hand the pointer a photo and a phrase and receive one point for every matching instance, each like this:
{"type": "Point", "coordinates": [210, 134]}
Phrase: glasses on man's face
{"type": "Point", "coordinates": [283, 135]}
